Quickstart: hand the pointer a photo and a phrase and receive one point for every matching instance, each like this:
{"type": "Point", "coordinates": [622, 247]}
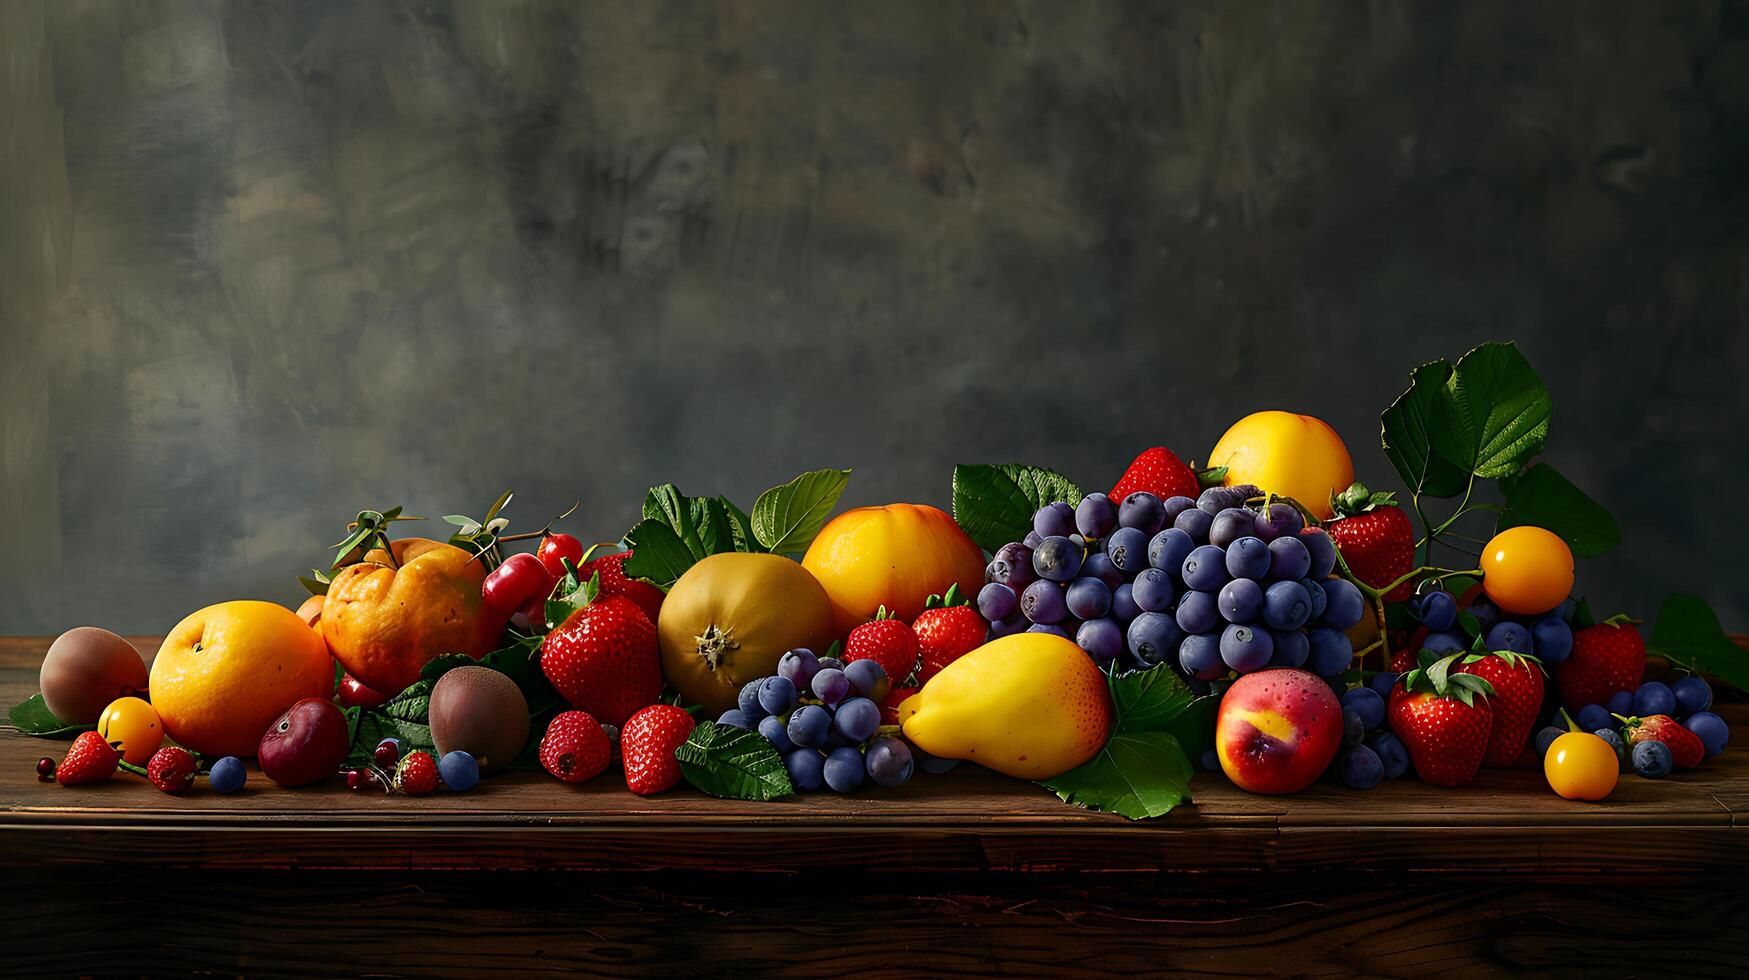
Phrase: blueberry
{"type": "Point", "coordinates": [1437, 610]}
{"type": "Point", "coordinates": [1199, 655]}
{"type": "Point", "coordinates": [1128, 549]}
{"type": "Point", "coordinates": [1246, 648]}
{"type": "Point", "coordinates": [1286, 606]}
{"type": "Point", "coordinates": [889, 762]}
{"type": "Point", "coordinates": [1390, 751]}
{"type": "Point", "coordinates": [1141, 511]}
{"type": "Point", "coordinates": [1196, 523]}
{"type": "Point", "coordinates": [747, 702]}
{"type": "Point", "coordinates": [1032, 540]}
{"type": "Point", "coordinates": [1248, 557]}
{"type": "Point", "coordinates": [1654, 698]}
{"type": "Point", "coordinates": [778, 694]}
{"type": "Point", "coordinates": [1594, 716]}
{"type": "Point", "coordinates": [1345, 605]}
{"type": "Point", "coordinates": [1331, 652]}
{"type": "Point", "coordinates": [1711, 730]}
{"type": "Point", "coordinates": [1095, 515]}
{"type": "Point", "coordinates": [1366, 702]}
{"type": "Point", "coordinates": [995, 601]}
{"type": "Point", "coordinates": [1353, 728]}
{"type": "Point", "coordinates": [857, 719]}
{"type": "Point", "coordinates": [1053, 629]}
{"type": "Point", "coordinates": [843, 769]}
{"type": "Point", "coordinates": [1102, 638]}
{"type": "Point", "coordinates": [458, 770]}
{"type": "Point", "coordinates": [1099, 565]}
{"type": "Point", "coordinates": [1444, 644]}
{"type": "Point", "coordinates": [809, 725]}
{"type": "Point", "coordinates": [1652, 759]}
{"type": "Point", "coordinates": [1012, 566]}
{"type": "Point", "coordinates": [935, 765]}
{"type": "Point", "coordinates": [867, 678]}
{"type": "Point", "coordinates": [1240, 601]}
{"type": "Point", "coordinates": [228, 775]}
{"type": "Point", "coordinates": [1486, 614]}
{"type": "Point", "coordinates": [1123, 603]}
{"type": "Point", "coordinates": [1509, 636]}
{"type": "Point", "coordinates": [1198, 612]}
{"type": "Point", "coordinates": [1152, 637]}
{"type": "Point", "coordinates": [1382, 682]}
{"type": "Point", "coordinates": [1152, 590]}
{"type": "Point", "coordinates": [1288, 559]}
{"type": "Point", "coordinates": [1546, 738]}
{"type": "Point", "coordinates": [1055, 519]}
{"type": "Point", "coordinates": [1057, 559]}
{"type": "Point", "coordinates": [1230, 525]}
{"type": "Point", "coordinates": [1361, 768]}
{"type": "Point", "coordinates": [1621, 703]}
{"type": "Point", "coordinates": [1205, 569]}
{"type": "Point", "coordinates": [1291, 648]}
{"type": "Point", "coordinates": [1692, 694]}
{"type": "Point", "coordinates": [1551, 639]}
{"type": "Point", "coordinates": [806, 768]}
{"type": "Point", "coordinates": [1278, 520]}
{"type": "Point", "coordinates": [1169, 548]}
{"type": "Point", "coordinates": [830, 685]}
{"type": "Point", "coordinates": [1043, 602]}
{"type": "Point", "coordinates": [800, 665]}
{"type": "Point", "coordinates": [1322, 550]}
{"type": "Point", "coordinates": [1088, 598]}
{"type": "Point", "coordinates": [1319, 599]}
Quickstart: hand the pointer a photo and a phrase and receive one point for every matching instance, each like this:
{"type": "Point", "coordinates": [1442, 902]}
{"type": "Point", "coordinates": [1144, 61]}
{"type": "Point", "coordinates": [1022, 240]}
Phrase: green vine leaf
{"type": "Point", "coordinates": [786, 518]}
{"type": "Point", "coordinates": [1496, 413]}
{"type": "Point", "coordinates": [1144, 769]}
{"type": "Point", "coordinates": [733, 764]}
{"type": "Point", "coordinates": [33, 717]}
{"type": "Point", "coordinates": [1542, 497]}
{"type": "Point", "coordinates": [994, 503]}
{"type": "Point", "coordinates": [1405, 432]}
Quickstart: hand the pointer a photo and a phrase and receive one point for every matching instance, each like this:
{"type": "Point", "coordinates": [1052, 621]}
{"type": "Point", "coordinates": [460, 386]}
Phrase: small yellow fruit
{"type": "Point", "coordinates": [1292, 455]}
{"type": "Point", "coordinates": [1031, 705]}
{"type": "Point", "coordinates": [1527, 570]}
{"type": "Point", "coordinates": [1581, 766]}
{"type": "Point", "coordinates": [133, 724]}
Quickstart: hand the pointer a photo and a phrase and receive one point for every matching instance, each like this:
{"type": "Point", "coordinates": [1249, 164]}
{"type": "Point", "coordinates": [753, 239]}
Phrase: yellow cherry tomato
{"type": "Point", "coordinates": [133, 723]}
{"type": "Point", "coordinates": [1581, 766]}
{"type": "Point", "coordinates": [1527, 570]}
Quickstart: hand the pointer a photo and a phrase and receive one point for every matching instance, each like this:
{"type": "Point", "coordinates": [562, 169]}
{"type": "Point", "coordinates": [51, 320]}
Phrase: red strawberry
{"type": "Point", "coordinates": [416, 774]}
{"type": "Point", "coordinates": [647, 744]}
{"type": "Point", "coordinates": [1442, 723]}
{"type": "Point", "coordinates": [1606, 658]}
{"type": "Point", "coordinates": [171, 769]}
{"type": "Point", "coordinates": [947, 629]}
{"type": "Point", "coordinates": [1159, 472]}
{"type": "Point", "coordinates": [1375, 538]}
{"type": "Point", "coordinates": [888, 642]}
{"type": "Point", "coordinates": [611, 568]}
{"type": "Point", "coordinates": [1685, 747]}
{"type": "Point", "coordinates": [89, 760]}
{"type": "Point", "coordinates": [575, 748]}
{"type": "Point", "coordinates": [603, 658]}
{"type": "Point", "coordinates": [1402, 661]}
{"type": "Point", "coordinates": [1518, 699]}
{"type": "Point", "coordinates": [890, 706]}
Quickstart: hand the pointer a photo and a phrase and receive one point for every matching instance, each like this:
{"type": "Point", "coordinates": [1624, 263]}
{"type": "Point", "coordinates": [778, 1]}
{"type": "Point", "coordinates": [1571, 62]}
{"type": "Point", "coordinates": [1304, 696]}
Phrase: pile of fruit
{"type": "Point", "coordinates": [1266, 617]}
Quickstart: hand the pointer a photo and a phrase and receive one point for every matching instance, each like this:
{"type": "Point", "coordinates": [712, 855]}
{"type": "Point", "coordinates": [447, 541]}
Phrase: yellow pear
{"type": "Point", "coordinates": [1031, 705]}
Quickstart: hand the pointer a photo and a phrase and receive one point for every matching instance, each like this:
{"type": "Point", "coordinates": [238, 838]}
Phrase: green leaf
{"type": "Point", "coordinates": [740, 526]}
{"type": "Point", "coordinates": [374, 726]}
{"type": "Point", "coordinates": [502, 502]}
{"type": "Point", "coordinates": [733, 764]}
{"type": "Point", "coordinates": [1137, 776]}
{"type": "Point", "coordinates": [1144, 769]}
{"type": "Point", "coordinates": [1404, 431]}
{"type": "Point", "coordinates": [666, 504]}
{"type": "Point", "coordinates": [1496, 416]}
{"type": "Point", "coordinates": [1214, 476]}
{"type": "Point", "coordinates": [33, 717]}
{"type": "Point", "coordinates": [716, 531]}
{"type": "Point", "coordinates": [658, 555]}
{"type": "Point", "coordinates": [1688, 633]}
{"type": "Point", "coordinates": [1544, 498]}
{"type": "Point", "coordinates": [994, 503]}
{"type": "Point", "coordinates": [786, 518]}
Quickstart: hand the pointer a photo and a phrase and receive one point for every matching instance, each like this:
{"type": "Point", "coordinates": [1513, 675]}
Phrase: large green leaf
{"type": "Point", "coordinates": [733, 763]}
{"type": "Point", "coordinates": [1542, 497]}
{"type": "Point", "coordinates": [1137, 776]}
{"type": "Point", "coordinates": [1497, 415]}
{"type": "Point", "coordinates": [33, 717]}
{"type": "Point", "coordinates": [786, 518]}
{"type": "Point", "coordinates": [1404, 430]}
{"type": "Point", "coordinates": [995, 503]}
{"type": "Point", "coordinates": [1688, 633]}
{"type": "Point", "coordinates": [658, 555]}
{"type": "Point", "coordinates": [669, 506]}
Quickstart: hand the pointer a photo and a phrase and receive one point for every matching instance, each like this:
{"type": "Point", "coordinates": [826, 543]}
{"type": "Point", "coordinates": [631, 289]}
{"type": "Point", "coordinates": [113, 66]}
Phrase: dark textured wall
{"type": "Point", "coordinates": [262, 264]}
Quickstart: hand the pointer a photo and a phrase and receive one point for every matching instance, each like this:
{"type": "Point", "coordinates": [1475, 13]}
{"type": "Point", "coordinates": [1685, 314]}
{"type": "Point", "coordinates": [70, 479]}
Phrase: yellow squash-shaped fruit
{"type": "Point", "coordinates": [1031, 705]}
{"type": "Point", "coordinates": [729, 619]}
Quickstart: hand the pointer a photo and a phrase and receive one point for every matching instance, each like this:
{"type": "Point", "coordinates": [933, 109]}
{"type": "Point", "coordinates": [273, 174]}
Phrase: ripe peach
{"type": "Point", "coordinates": [85, 669]}
{"type": "Point", "coordinates": [1277, 730]}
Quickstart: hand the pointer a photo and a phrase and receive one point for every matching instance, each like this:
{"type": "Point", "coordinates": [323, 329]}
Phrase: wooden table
{"type": "Point", "coordinates": [968, 872]}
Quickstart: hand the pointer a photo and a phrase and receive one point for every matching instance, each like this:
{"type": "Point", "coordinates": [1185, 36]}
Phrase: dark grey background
{"type": "Point", "coordinates": [263, 264]}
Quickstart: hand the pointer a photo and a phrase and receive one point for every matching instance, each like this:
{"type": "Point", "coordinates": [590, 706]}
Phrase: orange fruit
{"type": "Point", "coordinates": [1292, 455]}
{"type": "Point", "coordinates": [133, 724]}
{"type": "Point", "coordinates": [1581, 766]}
{"type": "Point", "coordinates": [1527, 570]}
{"type": "Point", "coordinates": [895, 556]}
{"type": "Point", "coordinates": [226, 672]}
{"type": "Point", "coordinates": [311, 611]}
{"type": "Point", "coordinates": [385, 623]}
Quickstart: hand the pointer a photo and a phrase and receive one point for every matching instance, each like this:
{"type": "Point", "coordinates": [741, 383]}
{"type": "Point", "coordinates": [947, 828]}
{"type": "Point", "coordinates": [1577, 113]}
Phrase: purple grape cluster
{"type": "Point", "coordinates": [1210, 585]}
{"type": "Point", "coordinates": [823, 716]}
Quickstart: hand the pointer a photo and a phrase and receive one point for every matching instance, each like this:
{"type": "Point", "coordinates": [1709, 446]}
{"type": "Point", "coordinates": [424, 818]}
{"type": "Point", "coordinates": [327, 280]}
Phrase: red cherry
{"type": "Point", "coordinates": [554, 548]}
{"type": "Point", "coordinates": [45, 769]}
{"type": "Point", "coordinates": [510, 584]}
{"type": "Point", "coordinates": [354, 779]}
{"type": "Point", "coordinates": [354, 694]}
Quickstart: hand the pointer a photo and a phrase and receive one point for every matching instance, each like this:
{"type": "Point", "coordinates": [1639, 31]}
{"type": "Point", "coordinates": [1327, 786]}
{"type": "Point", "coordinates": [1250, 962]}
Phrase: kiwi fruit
{"type": "Point", "coordinates": [481, 712]}
{"type": "Point", "coordinates": [85, 669]}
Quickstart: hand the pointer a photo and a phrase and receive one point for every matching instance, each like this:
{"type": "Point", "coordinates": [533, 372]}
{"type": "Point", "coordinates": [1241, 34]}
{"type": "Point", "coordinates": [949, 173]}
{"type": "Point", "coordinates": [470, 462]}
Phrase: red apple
{"type": "Point", "coordinates": [306, 745]}
{"type": "Point", "coordinates": [1277, 730]}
